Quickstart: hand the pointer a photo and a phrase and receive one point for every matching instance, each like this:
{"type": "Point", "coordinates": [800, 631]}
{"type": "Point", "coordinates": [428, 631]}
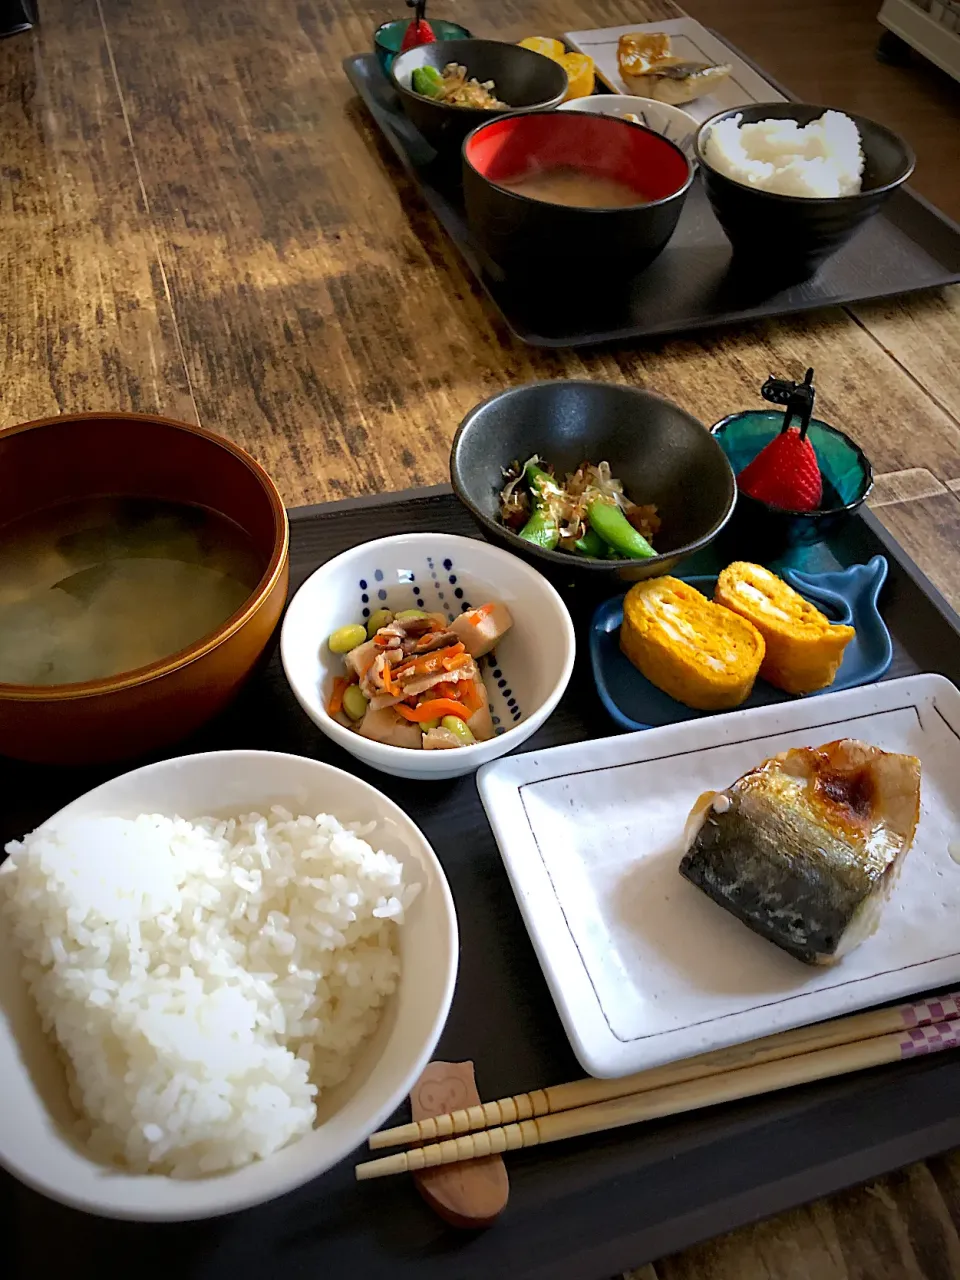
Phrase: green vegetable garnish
{"type": "Point", "coordinates": [591, 544]}
{"type": "Point", "coordinates": [617, 532]}
{"type": "Point", "coordinates": [427, 81]}
{"type": "Point", "coordinates": [542, 528]}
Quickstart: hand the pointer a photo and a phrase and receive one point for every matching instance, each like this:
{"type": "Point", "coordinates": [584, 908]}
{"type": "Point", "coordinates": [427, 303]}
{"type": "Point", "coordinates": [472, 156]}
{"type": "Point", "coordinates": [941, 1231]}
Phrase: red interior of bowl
{"type": "Point", "coordinates": [507, 148]}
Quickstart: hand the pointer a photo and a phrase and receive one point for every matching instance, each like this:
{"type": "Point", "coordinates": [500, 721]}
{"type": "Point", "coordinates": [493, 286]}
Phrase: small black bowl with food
{"type": "Point", "coordinates": [632, 478]}
{"type": "Point", "coordinates": [790, 236]}
{"type": "Point", "coordinates": [559, 187]}
{"type": "Point", "coordinates": [497, 79]}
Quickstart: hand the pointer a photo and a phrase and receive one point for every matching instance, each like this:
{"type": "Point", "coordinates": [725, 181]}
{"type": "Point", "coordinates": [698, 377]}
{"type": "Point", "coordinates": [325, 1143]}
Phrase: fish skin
{"type": "Point", "coordinates": [805, 848]}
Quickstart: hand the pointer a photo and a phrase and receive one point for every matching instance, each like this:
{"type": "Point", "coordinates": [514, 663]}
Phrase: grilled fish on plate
{"type": "Point", "coordinates": [806, 848]}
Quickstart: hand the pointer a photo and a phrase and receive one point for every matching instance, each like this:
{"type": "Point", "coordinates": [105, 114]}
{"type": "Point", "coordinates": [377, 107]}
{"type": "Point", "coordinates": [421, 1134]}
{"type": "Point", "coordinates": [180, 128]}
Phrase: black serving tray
{"type": "Point", "coordinates": [581, 1210]}
{"type": "Point", "coordinates": [693, 284]}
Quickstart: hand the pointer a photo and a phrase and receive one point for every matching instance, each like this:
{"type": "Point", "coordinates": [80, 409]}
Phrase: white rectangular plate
{"type": "Point", "coordinates": [689, 39]}
{"type": "Point", "coordinates": [643, 967]}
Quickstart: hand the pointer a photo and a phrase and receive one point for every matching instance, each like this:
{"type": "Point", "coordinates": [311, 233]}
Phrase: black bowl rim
{"type": "Point", "coordinates": [820, 512]}
{"type": "Point", "coordinates": [546, 104]}
{"type": "Point", "coordinates": [392, 22]}
{"type": "Point", "coordinates": [680, 192]}
{"type": "Point", "coordinates": [805, 201]}
{"type": "Point", "coordinates": [563, 558]}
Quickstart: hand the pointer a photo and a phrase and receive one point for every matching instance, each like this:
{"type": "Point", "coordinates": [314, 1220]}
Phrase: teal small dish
{"type": "Point", "coordinates": [388, 37]}
{"type": "Point", "coordinates": [759, 529]}
{"type": "Point", "coordinates": [847, 595]}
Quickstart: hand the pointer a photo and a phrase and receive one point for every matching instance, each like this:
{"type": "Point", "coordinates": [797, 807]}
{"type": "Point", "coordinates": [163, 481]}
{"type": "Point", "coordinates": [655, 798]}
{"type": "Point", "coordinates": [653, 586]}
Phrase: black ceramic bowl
{"type": "Point", "coordinates": [522, 78]}
{"type": "Point", "coordinates": [521, 235]}
{"type": "Point", "coordinates": [793, 235]}
{"type": "Point", "coordinates": [660, 452]}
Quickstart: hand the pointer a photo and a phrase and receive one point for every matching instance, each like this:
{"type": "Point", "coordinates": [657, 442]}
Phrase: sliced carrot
{"type": "Point", "coordinates": [429, 662]}
{"type": "Point", "coordinates": [435, 709]}
{"type": "Point", "coordinates": [457, 663]}
{"type": "Point", "coordinates": [335, 705]}
{"type": "Point", "coordinates": [472, 696]}
{"type": "Point", "coordinates": [478, 614]}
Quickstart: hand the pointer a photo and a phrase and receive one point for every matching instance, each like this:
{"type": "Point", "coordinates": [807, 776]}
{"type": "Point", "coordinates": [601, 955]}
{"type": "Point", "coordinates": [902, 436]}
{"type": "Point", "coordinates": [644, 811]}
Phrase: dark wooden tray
{"type": "Point", "coordinates": [582, 1210]}
{"type": "Point", "coordinates": [692, 285]}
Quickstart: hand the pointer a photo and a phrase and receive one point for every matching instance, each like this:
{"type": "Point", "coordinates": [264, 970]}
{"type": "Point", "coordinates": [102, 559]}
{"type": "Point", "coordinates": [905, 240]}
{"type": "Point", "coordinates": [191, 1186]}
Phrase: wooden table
{"type": "Point", "coordinates": [197, 219]}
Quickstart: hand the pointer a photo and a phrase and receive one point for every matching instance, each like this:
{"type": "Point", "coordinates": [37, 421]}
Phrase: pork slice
{"type": "Point", "coordinates": [436, 640]}
{"type": "Point", "coordinates": [422, 683]}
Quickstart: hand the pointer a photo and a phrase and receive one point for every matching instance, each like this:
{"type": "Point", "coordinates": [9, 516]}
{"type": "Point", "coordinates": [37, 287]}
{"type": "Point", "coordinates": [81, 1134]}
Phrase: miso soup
{"type": "Point", "coordinates": [583, 190]}
{"type": "Point", "coordinates": [94, 588]}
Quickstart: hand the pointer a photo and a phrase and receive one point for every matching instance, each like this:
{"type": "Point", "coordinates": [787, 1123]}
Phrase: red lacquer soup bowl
{"type": "Point", "coordinates": [512, 165]}
{"type": "Point", "coordinates": [142, 457]}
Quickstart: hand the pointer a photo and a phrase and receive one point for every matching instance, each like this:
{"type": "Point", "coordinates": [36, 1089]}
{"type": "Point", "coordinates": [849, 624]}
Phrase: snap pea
{"type": "Point", "coordinates": [354, 703]}
{"type": "Point", "coordinates": [427, 725]}
{"type": "Point", "coordinates": [591, 544]}
{"type": "Point", "coordinates": [346, 638]}
{"type": "Point", "coordinates": [459, 728]}
{"type": "Point", "coordinates": [409, 613]}
{"type": "Point", "coordinates": [427, 81]}
{"type": "Point", "coordinates": [378, 620]}
{"type": "Point", "coordinates": [617, 532]}
{"type": "Point", "coordinates": [541, 529]}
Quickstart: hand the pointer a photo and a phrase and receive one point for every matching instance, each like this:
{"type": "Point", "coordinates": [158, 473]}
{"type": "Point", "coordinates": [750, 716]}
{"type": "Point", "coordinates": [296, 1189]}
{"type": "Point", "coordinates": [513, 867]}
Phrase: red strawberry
{"type": "Point", "coordinates": [419, 32]}
{"type": "Point", "coordinates": [784, 474]}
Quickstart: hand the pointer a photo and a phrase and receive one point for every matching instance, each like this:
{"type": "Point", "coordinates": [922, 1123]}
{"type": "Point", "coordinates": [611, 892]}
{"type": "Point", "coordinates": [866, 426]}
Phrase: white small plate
{"type": "Point", "coordinates": [643, 967]}
{"type": "Point", "coordinates": [670, 122]}
{"type": "Point", "coordinates": [689, 39]}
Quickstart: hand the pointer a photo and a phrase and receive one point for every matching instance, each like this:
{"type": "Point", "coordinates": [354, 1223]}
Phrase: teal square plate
{"type": "Point", "coordinates": [844, 595]}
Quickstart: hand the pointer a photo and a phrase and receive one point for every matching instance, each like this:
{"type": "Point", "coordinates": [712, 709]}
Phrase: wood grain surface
{"type": "Point", "coordinates": [198, 218]}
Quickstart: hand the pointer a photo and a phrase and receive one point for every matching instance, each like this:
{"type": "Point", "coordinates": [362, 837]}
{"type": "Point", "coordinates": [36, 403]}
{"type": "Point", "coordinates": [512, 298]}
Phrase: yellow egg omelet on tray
{"type": "Point", "coordinates": [698, 652]}
{"type": "Point", "coordinates": [708, 653]}
{"type": "Point", "coordinates": [804, 648]}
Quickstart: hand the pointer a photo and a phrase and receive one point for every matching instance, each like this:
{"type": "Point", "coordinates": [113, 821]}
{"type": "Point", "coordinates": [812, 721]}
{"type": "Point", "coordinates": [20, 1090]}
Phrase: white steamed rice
{"type": "Point", "coordinates": [204, 979]}
{"type": "Point", "coordinates": [824, 158]}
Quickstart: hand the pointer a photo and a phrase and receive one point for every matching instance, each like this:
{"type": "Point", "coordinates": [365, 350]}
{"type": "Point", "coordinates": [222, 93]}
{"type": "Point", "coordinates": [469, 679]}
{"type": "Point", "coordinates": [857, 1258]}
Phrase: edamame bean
{"type": "Point", "coordinates": [409, 613]}
{"type": "Point", "coordinates": [459, 728]}
{"type": "Point", "coordinates": [346, 638]}
{"type": "Point", "coordinates": [354, 703]}
{"type": "Point", "coordinates": [378, 620]}
{"type": "Point", "coordinates": [427, 725]}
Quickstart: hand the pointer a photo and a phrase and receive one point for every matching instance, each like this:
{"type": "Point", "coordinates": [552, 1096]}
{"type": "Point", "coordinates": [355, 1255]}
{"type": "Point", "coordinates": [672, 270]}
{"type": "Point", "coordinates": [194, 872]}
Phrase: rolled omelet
{"type": "Point", "coordinates": [804, 648]}
{"type": "Point", "coordinates": [696, 651]}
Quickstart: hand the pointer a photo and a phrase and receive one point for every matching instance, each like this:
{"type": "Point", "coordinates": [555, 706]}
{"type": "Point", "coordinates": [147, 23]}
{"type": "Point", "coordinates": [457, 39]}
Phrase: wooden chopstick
{"type": "Point", "coordinates": [581, 1093]}
{"type": "Point", "coordinates": [671, 1100]}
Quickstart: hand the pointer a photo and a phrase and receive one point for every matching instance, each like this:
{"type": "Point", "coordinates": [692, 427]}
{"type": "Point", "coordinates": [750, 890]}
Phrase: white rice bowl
{"type": "Point", "coordinates": [822, 159]}
{"type": "Point", "coordinates": [241, 1002]}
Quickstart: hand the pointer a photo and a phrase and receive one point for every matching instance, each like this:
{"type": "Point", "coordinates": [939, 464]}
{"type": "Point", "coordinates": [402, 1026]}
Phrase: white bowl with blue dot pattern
{"type": "Point", "coordinates": [439, 573]}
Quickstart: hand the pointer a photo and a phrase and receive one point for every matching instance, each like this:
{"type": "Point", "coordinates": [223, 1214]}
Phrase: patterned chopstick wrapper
{"type": "Point", "coordinates": [942, 1035]}
{"type": "Point", "coordinates": [923, 1013]}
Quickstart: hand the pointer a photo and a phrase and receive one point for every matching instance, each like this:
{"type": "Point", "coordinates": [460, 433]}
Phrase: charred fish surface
{"type": "Point", "coordinates": [805, 848]}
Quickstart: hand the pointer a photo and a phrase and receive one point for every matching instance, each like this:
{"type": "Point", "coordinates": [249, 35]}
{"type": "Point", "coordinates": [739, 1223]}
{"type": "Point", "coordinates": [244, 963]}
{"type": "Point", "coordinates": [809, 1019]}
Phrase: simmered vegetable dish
{"type": "Point", "coordinates": [412, 678]}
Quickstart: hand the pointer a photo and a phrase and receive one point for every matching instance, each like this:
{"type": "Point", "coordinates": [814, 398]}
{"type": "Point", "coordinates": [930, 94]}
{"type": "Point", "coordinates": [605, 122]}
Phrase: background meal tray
{"type": "Point", "coordinates": [689, 39]}
{"type": "Point", "coordinates": [908, 246]}
{"type": "Point", "coordinates": [578, 1211]}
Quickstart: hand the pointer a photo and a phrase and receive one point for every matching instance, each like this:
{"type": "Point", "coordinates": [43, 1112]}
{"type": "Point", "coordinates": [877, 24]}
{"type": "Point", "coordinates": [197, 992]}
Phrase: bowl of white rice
{"type": "Point", "coordinates": [790, 183]}
{"type": "Point", "coordinates": [218, 975]}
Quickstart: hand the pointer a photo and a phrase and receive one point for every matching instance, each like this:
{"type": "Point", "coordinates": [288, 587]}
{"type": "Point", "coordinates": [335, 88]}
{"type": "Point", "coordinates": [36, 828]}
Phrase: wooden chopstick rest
{"type": "Point", "coordinates": [469, 1195]}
